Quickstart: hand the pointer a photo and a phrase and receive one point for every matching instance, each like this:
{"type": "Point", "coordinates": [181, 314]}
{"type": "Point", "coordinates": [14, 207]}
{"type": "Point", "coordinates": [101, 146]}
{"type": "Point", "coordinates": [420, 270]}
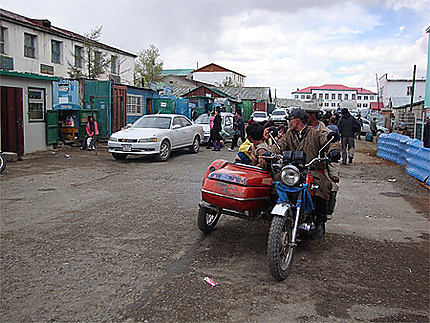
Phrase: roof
{"type": "Point", "coordinates": [401, 80]}
{"type": "Point", "coordinates": [247, 93]}
{"type": "Point", "coordinates": [176, 72]}
{"type": "Point", "coordinates": [376, 106]}
{"type": "Point", "coordinates": [402, 101]}
{"type": "Point", "coordinates": [334, 87]}
{"type": "Point", "coordinates": [416, 102]}
{"type": "Point", "coordinates": [282, 102]}
{"type": "Point", "coordinates": [29, 75]}
{"type": "Point", "coordinates": [44, 25]}
{"type": "Point", "coordinates": [212, 67]}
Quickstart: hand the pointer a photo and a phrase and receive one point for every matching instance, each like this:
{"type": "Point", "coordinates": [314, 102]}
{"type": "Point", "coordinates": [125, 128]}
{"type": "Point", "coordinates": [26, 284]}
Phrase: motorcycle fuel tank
{"type": "Point", "coordinates": [237, 186]}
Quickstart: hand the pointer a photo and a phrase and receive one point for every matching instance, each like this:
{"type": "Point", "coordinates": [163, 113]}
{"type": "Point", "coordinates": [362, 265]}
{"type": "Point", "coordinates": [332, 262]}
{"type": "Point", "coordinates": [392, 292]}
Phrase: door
{"type": "Point", "coordinates": [178, 137]}
{"type": "Point", "coordinates": [228, 125]}
{"type": "Point", "coordinates": [119, 102]}
{"type": "Point", "coordinates": [188, 131]}
{"type": "Point", "coordinates": [12, 122]}
{"type": "Point", "coordinates": [148, 106]}
{"type": "Point", "coordinates": [51, 127]}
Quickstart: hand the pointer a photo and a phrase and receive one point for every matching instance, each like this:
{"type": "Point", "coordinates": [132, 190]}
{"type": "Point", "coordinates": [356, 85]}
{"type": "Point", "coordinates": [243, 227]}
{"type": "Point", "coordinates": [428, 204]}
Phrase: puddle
{"type": "Point", "coordinates": [391, 194]}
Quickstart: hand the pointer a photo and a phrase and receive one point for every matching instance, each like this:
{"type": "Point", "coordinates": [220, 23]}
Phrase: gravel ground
{"type": "Point", "coordinates": [88, 238]}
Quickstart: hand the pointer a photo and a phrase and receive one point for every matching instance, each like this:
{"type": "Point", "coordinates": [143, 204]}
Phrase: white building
{"type": "Point", "coordinates": [218, 76]}
{"type": "Point", "coordinates": [35, 46]}
{"type": "Point", "coordinates": [400, 88]}
{"type": "Point", "coordinates": [334, 96]}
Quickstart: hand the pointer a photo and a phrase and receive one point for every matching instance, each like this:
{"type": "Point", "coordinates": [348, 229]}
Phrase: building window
{"type": "Point", "coordinates": [333, 96]}
{"type": "Point", "coordinates": [114, 66]}
{"type": "Point", "coordinates": [326, 104]}
{"type": "Point", "coordinates": [314, 96]}
{"type": "Point", "coordinates": [56, 51]}
{"type": "Point", "coordinates": [372, 98]}
{"type": "Point", "coordinates": [364, 105]}
{"type": "Point", "coordinates": [302, 96]}
{"type": "Point", "coordinates": [346, 96]}
{"type": "Point", "coordinates": [79, 53]}
{"type": "Point", "coordinates": [3, 34]}
{"type": "Point", "coordinates": [339, 96]}
{"type": "Point", "coordinates": [358, 105]}
{"type": "Point", "coordinates": [366, 97]}
{"type": "Point", "coordinates": [409, 90]}
{"type": "Point", "coordinates": [98, 58]}
{"type": "Point", "coordinates": [308, 97]}
{"type": "Point", "coordinates": [326, 96]}
{"type": "Point", "coordinates": [353, 96]}
{"type": "Point", "coordinates": [30, 45]}
{"type": "Point", "coordinates": [333, 104]}
{"type": "Point", "coordinates": [36, 104]}
{"type": "Point", "coordinates": [134, 105]}
{"type": "Point", "coordinates": [359, 97]}
{"type": "Point", "coordinates": [320, 96]}
{"type": "Point", "coordinates": [296, 96]}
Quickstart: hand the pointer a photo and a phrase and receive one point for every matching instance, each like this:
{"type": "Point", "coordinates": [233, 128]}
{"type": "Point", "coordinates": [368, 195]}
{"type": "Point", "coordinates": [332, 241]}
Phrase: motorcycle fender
{"type": "Point", "coordinates": [281, 209]}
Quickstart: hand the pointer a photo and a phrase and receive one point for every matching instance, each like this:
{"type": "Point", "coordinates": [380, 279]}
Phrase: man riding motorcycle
{"type": "Point", "coordinates": [301, 136]}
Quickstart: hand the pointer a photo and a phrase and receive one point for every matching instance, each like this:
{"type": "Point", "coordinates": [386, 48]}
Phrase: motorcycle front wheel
{"type": "Point", "coordinates": [207, 221]}
{"type": "Point", "coordinates": [279, 248]}
{"type": "Point", "coordinates": [2, 163]}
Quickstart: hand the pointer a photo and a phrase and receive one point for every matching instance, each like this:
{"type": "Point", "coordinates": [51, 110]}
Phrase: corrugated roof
{"type": "Point", "coordinates": [176, 72]}
{"type": "Point", "coordinates": [283, 102]}
{"type": "Point", "coordinates": [45, 26]}
{"type": "Point", "coordinates": [333, 87]}
{"type": "Point", "coordinates": [401, 101]}
{"type": "Point", "coordinates": [247, 93]}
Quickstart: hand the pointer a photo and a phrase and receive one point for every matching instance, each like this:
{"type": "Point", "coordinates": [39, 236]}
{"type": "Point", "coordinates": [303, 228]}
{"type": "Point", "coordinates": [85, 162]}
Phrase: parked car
{"type": "Point", "coordinates": [366, 128]}
{"type": "Point", "coordinates": [279, 116]}
{"type": "Point", "coordinates": [226, 122]}
{"type": "Point", "coordinates": [156, 135]}
{"type": "Point", "coordinates": [260, 116]}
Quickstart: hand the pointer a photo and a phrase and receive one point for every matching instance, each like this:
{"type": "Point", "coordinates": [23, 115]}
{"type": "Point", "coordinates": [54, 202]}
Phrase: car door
{"type": "Point", "coordinates": [188, 131]}
{"type": "Point", "coordinates": [228, 125]}
{"type": "Point", "coordinates": [177, 132]}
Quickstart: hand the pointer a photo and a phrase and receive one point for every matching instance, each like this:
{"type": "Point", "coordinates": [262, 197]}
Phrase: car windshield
{"type": "Point", "coordinates": [202, 119]}
{"type": "Point", "coordinates": [260, 115]}
{"type": "Point", "coordinates": [153, 122]}
{"type": "Point", "coordinates": [278, 113]}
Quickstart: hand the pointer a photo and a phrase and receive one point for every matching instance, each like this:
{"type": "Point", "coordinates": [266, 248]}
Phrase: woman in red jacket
{"type": "Point", "coordinates": [91, 130]}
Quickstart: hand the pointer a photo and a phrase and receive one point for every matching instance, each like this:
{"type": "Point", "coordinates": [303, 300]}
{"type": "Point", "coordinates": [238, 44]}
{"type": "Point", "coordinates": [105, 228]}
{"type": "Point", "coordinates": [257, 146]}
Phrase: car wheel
{"type": "Point", "coordinates": [119, 156]}
{"type": "Point", "coordinates": [165, 151]}
{"type": "Point", "coordinates": [196, 145]}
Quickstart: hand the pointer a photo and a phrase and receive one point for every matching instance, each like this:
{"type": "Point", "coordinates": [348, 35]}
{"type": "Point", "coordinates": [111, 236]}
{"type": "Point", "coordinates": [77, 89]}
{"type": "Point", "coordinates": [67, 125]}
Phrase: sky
{"type": "Point", "coordinates": [281, 44]}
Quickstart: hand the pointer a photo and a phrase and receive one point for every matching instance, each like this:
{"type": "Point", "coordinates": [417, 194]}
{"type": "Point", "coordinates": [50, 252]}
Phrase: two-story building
{"type": "Point", "coordinates": [334, 96]}
{"type": "Point", "coordinates": [391, 88]}
{"type": "Point", "coordinates": [33, 54]}
{"type": "Point", "coordinates": [218, 76]}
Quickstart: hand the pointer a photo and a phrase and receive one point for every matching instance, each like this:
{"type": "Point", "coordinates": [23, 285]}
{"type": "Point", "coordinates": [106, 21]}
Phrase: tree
{"type": "Point", "coordinates": [148, 66]}
{"type": "Point", "coordinates": [90, 62]}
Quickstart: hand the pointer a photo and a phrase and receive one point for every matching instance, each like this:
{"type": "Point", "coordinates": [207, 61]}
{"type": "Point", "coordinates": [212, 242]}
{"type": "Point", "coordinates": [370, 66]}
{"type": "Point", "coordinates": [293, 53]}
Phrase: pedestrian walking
{"type": "Point", "coordinates": [373, 127]}
{"type": "Point", "coordinates": [238, 130]}
{"type": "Point", "coordinates": [333, 126]}
{"type": "Point", "coordinates": [217, 128]}
{"type": "Point", "coordinates": [358, 133]}
{"type": "Point", "coordinates": [193, 114]}
{"type": "Point", "coordinates": [211, 126]}
{"type": "Point", "coordinates": [91, 131]}
{"type": "Point", "coordinates": [347, 125]}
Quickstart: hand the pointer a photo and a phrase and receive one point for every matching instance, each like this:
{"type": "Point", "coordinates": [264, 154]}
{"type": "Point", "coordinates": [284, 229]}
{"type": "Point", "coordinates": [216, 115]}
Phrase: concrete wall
{"type": "Point", "coordinates": [390, 88]}
{"type": "Point", "coordinates": [15, 49]}
{"type": "Point", "coordinates": [35, 131]}
{"type": "Point", "coordinates": [218, 78]}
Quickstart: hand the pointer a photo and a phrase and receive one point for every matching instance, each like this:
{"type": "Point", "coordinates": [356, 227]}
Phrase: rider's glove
{"type": "Point", "coordinates": [335, 179]}
{"type": "Point", "coordinates": [334, 155]}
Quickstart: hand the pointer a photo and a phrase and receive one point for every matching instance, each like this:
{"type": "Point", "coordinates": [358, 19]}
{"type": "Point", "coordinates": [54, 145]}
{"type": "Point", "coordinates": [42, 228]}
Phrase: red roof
{"type": "Point", "coordinates": [334, 87]}
{"type": "Point", "coordinates": [212, 67]}
{"type": "Point", "coordinates": [374, 105]}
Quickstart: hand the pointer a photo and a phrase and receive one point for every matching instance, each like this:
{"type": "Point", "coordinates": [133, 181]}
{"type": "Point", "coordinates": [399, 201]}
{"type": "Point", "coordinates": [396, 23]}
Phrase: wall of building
{"type": "Point", "coordinates": [218, 78]}
{"type": "Point", "coordinates": [15, 48]}
{"type": "Point", "coordinates": [390, 88]}
{"type": "Point", "coordinates": [34, 131]}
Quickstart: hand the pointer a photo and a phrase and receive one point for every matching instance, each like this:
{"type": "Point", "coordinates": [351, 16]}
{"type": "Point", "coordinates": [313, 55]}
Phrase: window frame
{"type": "Point", "coordinates": [131, 104]}
{"type": "Point", "coordinates": [114, 64]}
{"type": "Point", "coordinates": [42, 101]}
{"type": "Point", "coordinates": [60, 43]}
{"type": "Point", "coordinates": [3, 40]}
{"type": "Point", "coordinates": [79, 56]}
{"type": "Point", "coordinates": [33, 46]}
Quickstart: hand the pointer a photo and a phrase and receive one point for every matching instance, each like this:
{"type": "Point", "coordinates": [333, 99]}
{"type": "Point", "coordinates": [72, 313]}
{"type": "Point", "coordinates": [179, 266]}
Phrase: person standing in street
{"type": "Point", "coordinates": [193, 114]}
{"type": "Point", "coordinates": [373, 127]}
{"type": "Point", "coordinates": [216, 131]}
{"type": "Point", "coordinates": [358, 133]}
{"type": "Point", "coordinates": [426, 134]}
{"type": "Point", "coordinates": [91, 131]}
{"type": "Point", "coordinates": [238, 130]}
{"type": "Point", "coordinates": [347, 125]}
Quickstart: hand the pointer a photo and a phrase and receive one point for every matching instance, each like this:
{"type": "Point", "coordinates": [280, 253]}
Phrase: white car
{"type": "Point", "coordinates": [279, 116]}
{"type": "Point", "coordinates": [260, 116]}
{"type": "Point", "coordinates": [157, 134]}
{"type": "Point", "coordinates": [226, 123]}
{"type": "Point", "coordinates": [366, 128]}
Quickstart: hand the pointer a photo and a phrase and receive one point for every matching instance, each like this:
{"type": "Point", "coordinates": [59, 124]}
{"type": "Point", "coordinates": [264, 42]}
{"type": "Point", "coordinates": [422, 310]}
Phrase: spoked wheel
{"type": "Point", "coordinates": [194, 149]}
{"type": "Point", "coordinates": [279, 248]}
{"type": "Point", "coordinates": [165, 151]}
{"type": "Point", "coordinates": [207, 220]}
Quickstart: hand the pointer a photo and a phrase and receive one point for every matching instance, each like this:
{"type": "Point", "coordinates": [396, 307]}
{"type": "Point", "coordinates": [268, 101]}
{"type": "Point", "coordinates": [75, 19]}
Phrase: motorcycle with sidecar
{"type": "Point", "coordinates": [251, 193]}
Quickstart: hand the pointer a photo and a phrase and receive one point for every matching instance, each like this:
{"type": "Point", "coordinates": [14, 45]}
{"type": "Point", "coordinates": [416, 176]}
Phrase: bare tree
{"type": "Point", "coordinates": [148, 66]}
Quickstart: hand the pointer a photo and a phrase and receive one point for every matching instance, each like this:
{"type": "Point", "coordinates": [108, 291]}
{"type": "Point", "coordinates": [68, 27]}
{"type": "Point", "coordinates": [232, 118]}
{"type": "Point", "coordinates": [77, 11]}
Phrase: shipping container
{"type": "Point", "coordinates": [100, 92]}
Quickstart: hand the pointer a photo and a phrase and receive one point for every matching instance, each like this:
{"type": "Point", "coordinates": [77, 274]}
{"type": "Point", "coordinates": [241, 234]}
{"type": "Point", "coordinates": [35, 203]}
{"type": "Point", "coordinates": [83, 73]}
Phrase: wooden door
{"type": "Point", "coordinates": [12, 122]}
{"type": "Point", "coordinates": [148, 106]}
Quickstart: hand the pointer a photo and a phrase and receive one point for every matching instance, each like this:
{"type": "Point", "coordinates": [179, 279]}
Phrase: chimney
{"type": "Point", "coordinates": [46, 23]}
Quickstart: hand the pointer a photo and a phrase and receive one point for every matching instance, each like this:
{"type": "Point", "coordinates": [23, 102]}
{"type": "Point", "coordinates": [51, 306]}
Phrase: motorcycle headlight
{"type": "Point", "coordinates": [152, 139]}
{"type": "Point", "coordinates": [113, 139]}
{"type": "Point", "coordinates": [290, 175]}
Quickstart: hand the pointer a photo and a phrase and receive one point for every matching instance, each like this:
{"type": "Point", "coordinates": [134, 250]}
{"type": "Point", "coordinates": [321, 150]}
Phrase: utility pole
{"type": "Point", "coordinates": [377, 90]}
{"type": "Point", "coordinates": [413, 88]}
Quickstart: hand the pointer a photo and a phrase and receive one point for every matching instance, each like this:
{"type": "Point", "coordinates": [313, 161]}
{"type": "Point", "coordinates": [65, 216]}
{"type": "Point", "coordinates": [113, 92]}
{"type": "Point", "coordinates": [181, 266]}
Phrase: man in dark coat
{"type": "Point", "coordinates": [238, 130]}
{"type": "Point", "coordinates": [216, 131]}
{"type": "Point", "coordinates": [347, 125]}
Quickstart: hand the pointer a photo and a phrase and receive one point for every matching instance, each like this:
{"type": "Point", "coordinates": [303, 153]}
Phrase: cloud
{"type": "Point", "coordinates": [408, 4]}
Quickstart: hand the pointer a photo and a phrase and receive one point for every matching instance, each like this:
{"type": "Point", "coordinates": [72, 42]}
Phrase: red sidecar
{"type": "Point", "coordinates": [237, 187]}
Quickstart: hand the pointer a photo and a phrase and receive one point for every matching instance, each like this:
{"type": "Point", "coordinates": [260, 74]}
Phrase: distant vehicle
{"type": "Point", "coordinates": [366, 128]}
{"type": "Point", "coordinates": [156, 135]}
{"type": "Point", "coordinates": [260, 116]}
{"type": "Point", "coordinates": [279, 116]}
{"type": "Point", "coordinates": [226, 123]}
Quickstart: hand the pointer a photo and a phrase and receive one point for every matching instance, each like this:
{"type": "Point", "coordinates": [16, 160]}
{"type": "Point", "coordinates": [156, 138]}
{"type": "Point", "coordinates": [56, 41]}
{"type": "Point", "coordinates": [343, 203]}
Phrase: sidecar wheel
{"type": "Point", "coordinates": [279, 249]}
{"type": "Point", "coordinates": [207, 221]}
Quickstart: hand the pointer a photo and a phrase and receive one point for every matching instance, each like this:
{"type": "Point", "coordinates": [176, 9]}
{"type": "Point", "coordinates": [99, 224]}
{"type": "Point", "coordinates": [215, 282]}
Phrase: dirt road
{"type": "Point", "coordinates": [88, 238]}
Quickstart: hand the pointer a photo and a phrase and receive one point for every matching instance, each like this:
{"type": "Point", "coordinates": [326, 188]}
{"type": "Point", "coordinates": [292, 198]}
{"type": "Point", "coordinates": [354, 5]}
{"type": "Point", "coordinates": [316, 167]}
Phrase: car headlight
{"type": "Point", "coordinates": [152, 139]}
{"type": "Point", "coordinates": [290, 175]}
{"type": "Point", "coordinates": [113, 139]}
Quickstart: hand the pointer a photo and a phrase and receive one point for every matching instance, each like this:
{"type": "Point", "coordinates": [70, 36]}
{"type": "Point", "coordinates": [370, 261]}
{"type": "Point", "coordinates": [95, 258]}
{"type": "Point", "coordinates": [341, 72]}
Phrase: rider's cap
{"type": "Point", "coordinates": [300, 114]}
{"type": "Point", "coordinates": [311, 107]}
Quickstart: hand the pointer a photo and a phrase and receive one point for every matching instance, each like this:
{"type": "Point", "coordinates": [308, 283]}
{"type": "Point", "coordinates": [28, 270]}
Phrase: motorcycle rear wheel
{"type": "Point", "coordinates": [280, 252]}
{"type": "Point", "coordinates": [207, 221]}
{"type": "Point", "coordinates": [2, 163]}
